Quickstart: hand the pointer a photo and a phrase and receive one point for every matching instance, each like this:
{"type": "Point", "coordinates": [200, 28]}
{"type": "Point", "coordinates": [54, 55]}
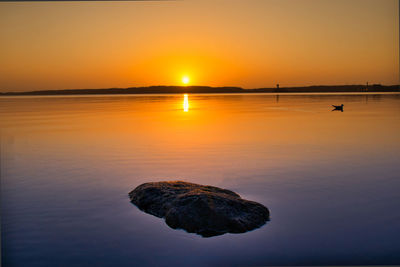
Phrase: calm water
{"type": "Point", "coordinates": [330, 179]}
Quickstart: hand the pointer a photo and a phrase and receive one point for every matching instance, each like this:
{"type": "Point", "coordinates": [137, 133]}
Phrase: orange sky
{"type": "Point", "coordinates": [255, 43]}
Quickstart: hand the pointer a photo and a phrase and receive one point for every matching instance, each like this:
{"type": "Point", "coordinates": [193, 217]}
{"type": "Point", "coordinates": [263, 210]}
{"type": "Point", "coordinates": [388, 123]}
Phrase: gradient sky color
{"type": "Point", "coordinates": [247, 43]}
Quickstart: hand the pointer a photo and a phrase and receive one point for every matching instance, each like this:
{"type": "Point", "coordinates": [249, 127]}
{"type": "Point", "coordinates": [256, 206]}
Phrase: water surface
{"type": "Point", "coordinates": [329, 178]}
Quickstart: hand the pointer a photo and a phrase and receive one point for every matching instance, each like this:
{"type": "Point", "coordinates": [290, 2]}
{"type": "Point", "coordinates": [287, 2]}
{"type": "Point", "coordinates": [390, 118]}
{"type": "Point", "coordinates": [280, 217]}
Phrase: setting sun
{"type": "Point", "coordinates": [185, 80]}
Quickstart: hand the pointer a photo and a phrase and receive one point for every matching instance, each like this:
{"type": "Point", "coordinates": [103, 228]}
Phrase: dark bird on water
{"type": "Point", "coordinates": [338, 107]}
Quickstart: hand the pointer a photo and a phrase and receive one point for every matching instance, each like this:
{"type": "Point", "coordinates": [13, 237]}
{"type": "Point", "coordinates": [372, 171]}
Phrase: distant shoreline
{"type": "Point", "coordinates": [207, 89]}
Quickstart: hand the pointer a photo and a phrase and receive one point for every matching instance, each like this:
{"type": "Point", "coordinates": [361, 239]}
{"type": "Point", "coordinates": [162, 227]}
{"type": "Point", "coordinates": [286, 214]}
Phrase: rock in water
{"type": "Point", "coordinates": [200, 209]}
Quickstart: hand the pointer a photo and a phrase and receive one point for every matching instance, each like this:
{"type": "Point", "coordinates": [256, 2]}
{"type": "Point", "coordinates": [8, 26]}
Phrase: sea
{"type": "Point", "coordinates": [330, 178]}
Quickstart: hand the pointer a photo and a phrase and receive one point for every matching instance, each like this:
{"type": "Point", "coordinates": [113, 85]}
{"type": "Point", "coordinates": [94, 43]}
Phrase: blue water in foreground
{"type": "Point", "coordinates": [330, 179]}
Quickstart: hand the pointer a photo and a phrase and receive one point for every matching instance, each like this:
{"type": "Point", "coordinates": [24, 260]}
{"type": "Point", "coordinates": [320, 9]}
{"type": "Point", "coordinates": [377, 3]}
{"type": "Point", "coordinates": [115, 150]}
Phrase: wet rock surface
{"type": "Point", "coordinates": [200, 209]}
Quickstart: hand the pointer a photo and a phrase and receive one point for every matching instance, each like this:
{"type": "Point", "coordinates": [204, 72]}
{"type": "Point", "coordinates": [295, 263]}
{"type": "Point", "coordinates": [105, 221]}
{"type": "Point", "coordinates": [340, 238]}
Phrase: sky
{"type": "Point", "coordinates": [246, 43]}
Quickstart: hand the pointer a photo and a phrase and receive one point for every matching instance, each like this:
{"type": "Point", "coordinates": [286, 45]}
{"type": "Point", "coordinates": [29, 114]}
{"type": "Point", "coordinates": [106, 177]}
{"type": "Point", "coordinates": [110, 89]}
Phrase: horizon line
{"type": "Point", "coordinates": [204, 86]}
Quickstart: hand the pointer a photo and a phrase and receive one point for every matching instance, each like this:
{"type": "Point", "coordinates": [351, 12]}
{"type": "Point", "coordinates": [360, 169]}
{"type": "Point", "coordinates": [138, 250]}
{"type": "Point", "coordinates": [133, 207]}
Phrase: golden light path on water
{"type": "Point", "coordinates": [185, 103]}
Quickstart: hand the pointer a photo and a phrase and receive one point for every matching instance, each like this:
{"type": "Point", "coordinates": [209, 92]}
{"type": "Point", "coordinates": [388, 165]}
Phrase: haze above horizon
{"type": "Point", "coordinates": [215, 43]}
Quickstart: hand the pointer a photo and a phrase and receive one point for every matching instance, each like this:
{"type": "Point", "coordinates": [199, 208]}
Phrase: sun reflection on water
{"type": "Point", "coordinates": [185, 103]}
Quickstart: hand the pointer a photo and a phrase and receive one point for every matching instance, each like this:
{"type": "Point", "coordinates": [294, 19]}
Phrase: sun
{"type": "Point", "coordinates": [185, 80]}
